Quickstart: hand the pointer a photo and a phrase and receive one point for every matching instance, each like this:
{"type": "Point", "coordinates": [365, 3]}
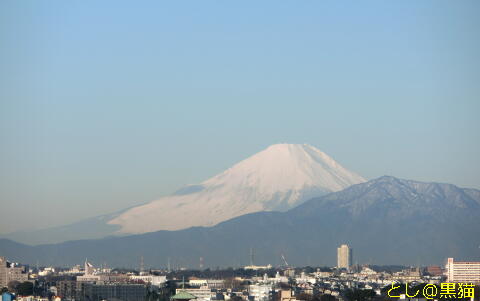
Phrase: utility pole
{"type": "Point", "coordinates": [142, 267]}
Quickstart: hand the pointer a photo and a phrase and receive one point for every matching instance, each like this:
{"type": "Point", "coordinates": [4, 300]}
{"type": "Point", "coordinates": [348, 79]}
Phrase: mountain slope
{"type": "Point", "coordinates": [95, 227]}
{"type": "Point", "coordinates": [278, 178]}
{"type": "Point", "coordinates": [386, 221]}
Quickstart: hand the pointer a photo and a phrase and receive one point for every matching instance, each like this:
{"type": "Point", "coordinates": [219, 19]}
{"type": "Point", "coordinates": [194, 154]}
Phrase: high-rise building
{"type": "Point", "coordinates": [344, 257]}
{"type": "Point", "coordinates": [463, 271]}
{"type": "Point", "coordinates": [11, 272]}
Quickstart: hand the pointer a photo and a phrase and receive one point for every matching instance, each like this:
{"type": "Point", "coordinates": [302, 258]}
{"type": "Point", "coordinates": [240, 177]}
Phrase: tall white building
{"type": "Point", "coordinates": [344, 257]}
{"type": "Point", "coordinates": [463, 271]}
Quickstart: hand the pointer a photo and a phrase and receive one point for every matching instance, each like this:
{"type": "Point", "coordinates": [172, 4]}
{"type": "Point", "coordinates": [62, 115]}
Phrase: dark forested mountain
{"type": "Point", "coordinates": [386, 221]}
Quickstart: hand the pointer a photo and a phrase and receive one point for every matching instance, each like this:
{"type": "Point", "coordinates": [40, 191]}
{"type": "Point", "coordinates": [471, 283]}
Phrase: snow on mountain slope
{"type": "Point", "coordinates": [277, 178]}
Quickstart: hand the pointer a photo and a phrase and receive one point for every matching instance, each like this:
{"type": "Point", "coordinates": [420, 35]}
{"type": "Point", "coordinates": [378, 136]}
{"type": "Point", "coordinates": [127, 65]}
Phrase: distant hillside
{"type": "Point", "coordinates": [278, 178]}
{"type": "Point", "coordinates": [386, 221]}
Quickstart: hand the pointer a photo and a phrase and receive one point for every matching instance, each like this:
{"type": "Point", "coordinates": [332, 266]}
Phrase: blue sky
{"type": "Point", "coordinates": [108, 104]}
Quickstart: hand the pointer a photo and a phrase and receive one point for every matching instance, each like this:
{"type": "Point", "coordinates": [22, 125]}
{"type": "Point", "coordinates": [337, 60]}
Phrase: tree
{"type": "Point", "coordinates": [327, 297]}
{"type": "Point", "coordinates": [152, 296]}
{"type": "Point", "coordinates": [359, 294]}
{"type": "Point", "coordinates": [285, 286]}
{"type": "Point", "coordinates": [25, 288]}
{"type": "Point", "coordinates": [12, 285]}
{"type": "Point", "coordinates": [304, 296]}
{"type": "Point", "coordinates": [167, 291]}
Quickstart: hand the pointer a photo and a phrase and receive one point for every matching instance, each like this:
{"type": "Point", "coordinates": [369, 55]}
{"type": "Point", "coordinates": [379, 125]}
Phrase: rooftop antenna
{"type": "Point", "coordinates": [168, 264]}
{"type": "Point", "coordinates": [142, 267]}
{"type": "Point", "coordinates": [201, 263]}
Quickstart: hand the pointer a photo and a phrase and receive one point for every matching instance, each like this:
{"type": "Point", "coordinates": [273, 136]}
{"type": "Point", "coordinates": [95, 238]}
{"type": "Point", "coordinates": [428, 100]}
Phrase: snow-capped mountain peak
{"type": "Point", "coordinates": [285, 167]}
{"type": "Point", "coordinates": [278, 178]}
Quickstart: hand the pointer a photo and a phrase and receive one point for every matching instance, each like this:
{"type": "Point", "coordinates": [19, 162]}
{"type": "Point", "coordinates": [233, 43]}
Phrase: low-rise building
{"type": "Point", "coordinates": [151, 279]}
{"type": "Point", "coordinates": [66, 289]}
{"type": "Point", "coordinates": [210, 283]}
{"type": "Point", "coordinates": [287, 295]}
{"type": "Point", "coordinates": [203, 293]}
{"type": "Point", "coordinates": [260, 292]}
{"type": "Point", "coordinates": [130, 292]}
{"type": "Point", "coordinates": [434, 270]}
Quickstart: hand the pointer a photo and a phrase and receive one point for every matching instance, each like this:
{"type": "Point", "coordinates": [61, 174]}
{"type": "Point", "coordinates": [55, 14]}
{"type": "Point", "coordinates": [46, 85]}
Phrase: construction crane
{"type": "Point", "coordinates": [284, 260]}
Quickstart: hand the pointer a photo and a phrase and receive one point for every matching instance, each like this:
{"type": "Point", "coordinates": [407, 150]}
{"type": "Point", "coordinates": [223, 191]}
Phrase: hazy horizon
{"type": "Point", "coordinates": [107, 105]}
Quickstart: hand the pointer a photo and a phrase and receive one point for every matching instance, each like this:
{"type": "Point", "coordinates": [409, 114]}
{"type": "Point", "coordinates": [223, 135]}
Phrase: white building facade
{"type": "Point", "coordinates": [463, 271]}
{"type": "Point", "coordinates": [344, 257]}
{"type": "Point", "coordinates": [260, 292]}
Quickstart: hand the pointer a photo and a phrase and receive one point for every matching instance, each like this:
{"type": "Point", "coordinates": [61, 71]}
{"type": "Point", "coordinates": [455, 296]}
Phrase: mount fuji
{"type": "Point", "coordinates": [276, 179]}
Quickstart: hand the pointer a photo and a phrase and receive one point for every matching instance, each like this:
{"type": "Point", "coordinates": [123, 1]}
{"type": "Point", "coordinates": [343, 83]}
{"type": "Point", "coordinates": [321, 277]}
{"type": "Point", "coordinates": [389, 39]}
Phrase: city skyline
{"type": "Point", "coordinates": [239, 151]}
{"type": "Point", "coordinates": [252, 283]}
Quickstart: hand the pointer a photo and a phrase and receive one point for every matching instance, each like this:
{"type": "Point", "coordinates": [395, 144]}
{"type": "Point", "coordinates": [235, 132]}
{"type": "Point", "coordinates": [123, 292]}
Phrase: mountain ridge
{"type": "Point", "coordinates": [389, 230]}
{"type": "Point", "coordinates": [279, 177]}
